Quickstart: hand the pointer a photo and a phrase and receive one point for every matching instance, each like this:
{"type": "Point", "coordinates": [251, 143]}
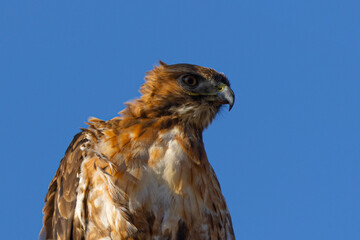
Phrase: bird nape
{"type": "Point", "coordinates": [145, 174]}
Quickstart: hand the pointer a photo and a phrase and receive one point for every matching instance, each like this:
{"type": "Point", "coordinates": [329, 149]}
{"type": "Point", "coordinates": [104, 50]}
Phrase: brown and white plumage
{"type": "Point", "coordinates": [145, 174]}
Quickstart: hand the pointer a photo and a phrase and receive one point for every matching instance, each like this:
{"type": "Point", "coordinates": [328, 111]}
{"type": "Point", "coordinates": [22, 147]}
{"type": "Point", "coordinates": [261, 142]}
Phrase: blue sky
{"type": "Point", "coordinates": [287, 155]}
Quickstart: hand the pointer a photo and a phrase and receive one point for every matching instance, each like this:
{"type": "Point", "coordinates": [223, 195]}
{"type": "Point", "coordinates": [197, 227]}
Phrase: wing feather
{"type": "Point", "coordinates": [60, 200]}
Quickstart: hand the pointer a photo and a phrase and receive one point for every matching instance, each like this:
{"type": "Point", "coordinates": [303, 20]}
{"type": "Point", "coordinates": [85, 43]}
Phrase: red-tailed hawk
{"type": "Point", "coordinates": [145, 174]}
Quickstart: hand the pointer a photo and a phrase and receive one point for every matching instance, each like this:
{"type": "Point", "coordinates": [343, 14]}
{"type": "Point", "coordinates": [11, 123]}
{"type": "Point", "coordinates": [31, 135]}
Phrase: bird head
{"type": "Point", "coordinates": [191, 93]}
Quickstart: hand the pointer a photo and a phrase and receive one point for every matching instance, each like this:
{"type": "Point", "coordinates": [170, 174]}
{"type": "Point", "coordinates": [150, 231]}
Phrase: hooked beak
{"type": "Point", "coordinates": [226, 96]}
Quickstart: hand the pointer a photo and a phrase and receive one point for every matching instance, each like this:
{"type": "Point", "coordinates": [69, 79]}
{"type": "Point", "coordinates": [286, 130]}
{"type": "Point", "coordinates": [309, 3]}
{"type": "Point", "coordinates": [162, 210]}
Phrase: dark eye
{"type": "Point", "coordinates": [190, 80]}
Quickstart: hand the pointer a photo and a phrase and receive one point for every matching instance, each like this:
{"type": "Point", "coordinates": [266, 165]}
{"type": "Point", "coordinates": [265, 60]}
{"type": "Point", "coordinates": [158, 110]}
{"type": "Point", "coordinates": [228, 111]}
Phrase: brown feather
{"type": "Point", "coordinates": [144, 175]}
{"type": "Point", "coordinates": [61, 198]}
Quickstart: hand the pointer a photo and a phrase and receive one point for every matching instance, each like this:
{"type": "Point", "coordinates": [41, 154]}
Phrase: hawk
{"type": "Point", "coordinates": [145, 173]}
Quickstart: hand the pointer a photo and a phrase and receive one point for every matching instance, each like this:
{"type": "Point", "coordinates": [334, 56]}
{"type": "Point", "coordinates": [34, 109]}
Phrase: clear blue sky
{"type": "Point", "coordinates": [287, 155]}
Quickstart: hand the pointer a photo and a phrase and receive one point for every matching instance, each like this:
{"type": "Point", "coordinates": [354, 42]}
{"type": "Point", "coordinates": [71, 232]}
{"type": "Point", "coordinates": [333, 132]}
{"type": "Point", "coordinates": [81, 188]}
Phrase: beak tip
{"type": "Point", "coordinates": [232, 101]}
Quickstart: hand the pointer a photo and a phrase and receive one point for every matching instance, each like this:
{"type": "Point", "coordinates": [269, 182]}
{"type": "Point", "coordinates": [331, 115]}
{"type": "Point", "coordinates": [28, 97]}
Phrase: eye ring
{"type": "Point", "coordinates": [190, 80]}
{"type": "Point", "coordinates": [220, 88]}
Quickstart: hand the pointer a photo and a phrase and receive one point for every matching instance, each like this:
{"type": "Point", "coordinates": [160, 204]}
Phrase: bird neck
{"type": "Point", "coordinates": [198, 116]}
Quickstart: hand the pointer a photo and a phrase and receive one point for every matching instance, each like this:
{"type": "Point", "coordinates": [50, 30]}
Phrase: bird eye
{"type": "Point", "coordinates": [190, 80]}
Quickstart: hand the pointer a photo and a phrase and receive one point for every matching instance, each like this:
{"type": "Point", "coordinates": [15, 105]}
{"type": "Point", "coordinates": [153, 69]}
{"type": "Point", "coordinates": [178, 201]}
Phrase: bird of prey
{"type": "Point", "coordinates": [145, 174]}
